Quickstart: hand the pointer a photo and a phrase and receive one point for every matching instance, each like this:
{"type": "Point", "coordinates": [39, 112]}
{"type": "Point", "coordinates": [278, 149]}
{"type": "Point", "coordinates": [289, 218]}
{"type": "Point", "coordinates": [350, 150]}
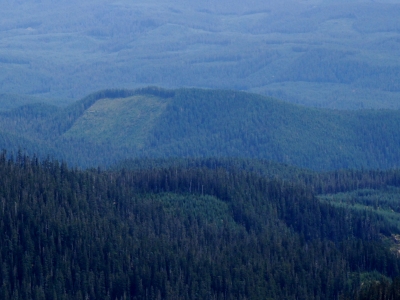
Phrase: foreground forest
{"type": "Point", "coordinates": [111, 125]}
{"type": "Point", "coordinates": [205, 229]}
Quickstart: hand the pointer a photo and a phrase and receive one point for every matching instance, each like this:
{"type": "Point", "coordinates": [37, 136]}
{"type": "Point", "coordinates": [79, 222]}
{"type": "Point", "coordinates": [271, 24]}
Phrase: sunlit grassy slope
{"type": "Point", "coordinates": [122, 121]}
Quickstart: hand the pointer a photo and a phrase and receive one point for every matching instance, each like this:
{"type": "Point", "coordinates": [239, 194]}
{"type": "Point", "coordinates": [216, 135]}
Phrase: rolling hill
{"type": "Point", "coordinates": [112, 125]}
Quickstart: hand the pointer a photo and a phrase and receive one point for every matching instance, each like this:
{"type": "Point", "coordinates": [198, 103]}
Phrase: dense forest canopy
{"type": "Point", "coordinates": [165, 231]}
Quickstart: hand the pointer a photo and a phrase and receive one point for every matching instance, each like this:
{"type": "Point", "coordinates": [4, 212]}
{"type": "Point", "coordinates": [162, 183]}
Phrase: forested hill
{"type": "Point", "coordinates": [184, 233]}
{"type": "Point", "coordinates": [112, 125]}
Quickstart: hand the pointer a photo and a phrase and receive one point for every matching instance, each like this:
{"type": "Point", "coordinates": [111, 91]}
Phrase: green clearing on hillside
{"type": "Point", "coordinates": [382, 202]}
{"type": "Point", "coordinates": [122, 121]}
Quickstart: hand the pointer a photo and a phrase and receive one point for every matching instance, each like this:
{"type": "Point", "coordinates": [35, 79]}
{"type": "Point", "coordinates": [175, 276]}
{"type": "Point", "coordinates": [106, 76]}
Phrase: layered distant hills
{"type": "Point", "coordinates": [324, 53]}
{"type": "Point", "coordinates": [112, 125]}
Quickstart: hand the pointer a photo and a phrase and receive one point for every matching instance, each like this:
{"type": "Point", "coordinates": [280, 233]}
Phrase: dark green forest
{"type": "Point", "coordinates": [112, 125]}
{"type": "Point", "coordinates": [211, 230]}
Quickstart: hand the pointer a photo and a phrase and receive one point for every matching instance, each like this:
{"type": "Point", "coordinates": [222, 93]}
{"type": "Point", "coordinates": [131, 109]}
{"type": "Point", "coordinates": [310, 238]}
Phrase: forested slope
{"type": "Point", "coordinates": [112, 125]}
{"type": "Point", "coordinates": [180, 233]}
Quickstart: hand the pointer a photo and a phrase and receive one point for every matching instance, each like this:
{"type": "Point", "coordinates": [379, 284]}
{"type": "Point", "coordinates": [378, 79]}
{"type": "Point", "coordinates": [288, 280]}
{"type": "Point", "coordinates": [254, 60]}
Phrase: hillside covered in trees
{"type": "Point", "coordinates": [109, 126]}
{"type": "Point", "coordinates": [213, 231]}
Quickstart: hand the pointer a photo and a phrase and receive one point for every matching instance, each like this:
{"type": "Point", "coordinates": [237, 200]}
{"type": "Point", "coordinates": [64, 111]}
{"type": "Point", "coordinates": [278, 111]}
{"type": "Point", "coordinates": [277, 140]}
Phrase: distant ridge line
{"type": "Point", "coordinates": [124, 93]}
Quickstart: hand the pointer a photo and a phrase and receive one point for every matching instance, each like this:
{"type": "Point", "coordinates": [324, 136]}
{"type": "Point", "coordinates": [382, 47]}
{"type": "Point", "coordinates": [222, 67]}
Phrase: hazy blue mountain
{"type": "Point", "coordinates": [337, 54]}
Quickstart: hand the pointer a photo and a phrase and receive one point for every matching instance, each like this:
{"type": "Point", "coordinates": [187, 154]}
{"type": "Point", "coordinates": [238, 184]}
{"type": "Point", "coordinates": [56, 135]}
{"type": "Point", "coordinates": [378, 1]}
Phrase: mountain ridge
{"type": "Point", "coordinates": [154, 122]}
